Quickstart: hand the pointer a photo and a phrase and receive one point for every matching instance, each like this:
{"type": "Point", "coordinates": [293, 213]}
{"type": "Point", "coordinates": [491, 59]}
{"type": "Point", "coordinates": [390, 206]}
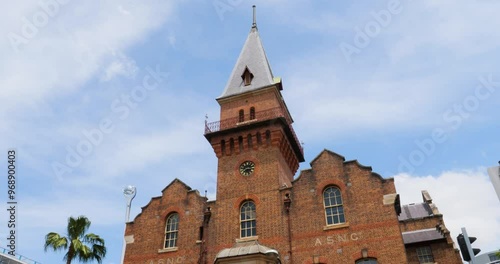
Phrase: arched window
{"type": "Point", "coordinates": [252, 113]}
{"type": "Point", "coordinates": [240, 143]}
{"type": "Point", "coordinates": [366, 261]}
{"type": "Point", "coordinates": [241, 116]}
{"type": "Point", "coordinates": [334, 209]}
{"type": "Point", "coordinates": [268, 137]}
{"type": "Point", "coordinates": [172, 230]}
{"type": "Point", "coordinates": [249, 141]}
{"type": "Point", "coordinates": [231, 145]}
{"type": "Point", "coordinates": [223, 147]}
{"type": "Point", "coordinates": [259, 139]}
{"type": "Point", "coordinates": [247, 219]}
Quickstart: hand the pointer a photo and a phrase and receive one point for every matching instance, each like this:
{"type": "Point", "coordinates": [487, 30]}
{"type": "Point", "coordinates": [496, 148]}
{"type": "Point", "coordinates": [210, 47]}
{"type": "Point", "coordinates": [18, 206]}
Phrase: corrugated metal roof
{"type": "Point", "coordinates": [415, 211]}
{"type": "Point", "coordinates": [254, 58]}
{"type": "Point", "coordinates": [245, 248]}
{"type": "Point", "coordinates": [422, 235]}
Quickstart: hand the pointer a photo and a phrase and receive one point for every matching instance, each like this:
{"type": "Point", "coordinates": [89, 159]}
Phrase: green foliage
{"type": "Point", "coordinates": [79, 245]}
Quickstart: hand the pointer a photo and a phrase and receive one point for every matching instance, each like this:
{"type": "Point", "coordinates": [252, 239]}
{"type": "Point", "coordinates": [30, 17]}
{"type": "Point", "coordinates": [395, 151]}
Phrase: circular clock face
{"type": "Point", "coordinates": [246, 168]}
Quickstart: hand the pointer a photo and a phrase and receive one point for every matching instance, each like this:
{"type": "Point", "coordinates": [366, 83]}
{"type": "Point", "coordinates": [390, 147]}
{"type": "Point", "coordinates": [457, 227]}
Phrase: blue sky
{"type": "Point", "coordinates": [411, 88]}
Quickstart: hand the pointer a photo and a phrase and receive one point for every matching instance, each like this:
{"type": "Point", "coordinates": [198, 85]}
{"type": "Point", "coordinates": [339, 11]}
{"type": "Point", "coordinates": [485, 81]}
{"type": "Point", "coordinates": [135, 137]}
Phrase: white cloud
{"type": "Point", "coordinates": [121, 65]}
{"type": "Point", "coordinates": [463, 29]}
{"type": "Point", "coordinates": [125, 152]}
{"type": "Point", "coordinates": [465, 198]}
{"type": "Point", "coordinates": [65, 53]}
{"type": "Point", "coordinates": [410, 74]}
{"type": "Point", "coordinates": [106, 214]}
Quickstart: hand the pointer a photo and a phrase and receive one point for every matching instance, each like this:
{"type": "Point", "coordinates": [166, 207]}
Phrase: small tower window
{"type": "Point", "coordinates": [223, 146]}
{"type": "Point", "coordinates": [241, 115]}
{"type": "Point", "coordinates": [252, 113]}
{"type": "Point", "coordinates": [247, 77]}
{"type": "Point", "coordinates": [240, 143]}
{"type": "Point", "coordinates": [231, 146]}
{"type": "Point", "coordinates": [249, 139]}
{"type": "Point", "coordinates": [259, 139]}
{"type": "Point", "coordinates": [268, 137]}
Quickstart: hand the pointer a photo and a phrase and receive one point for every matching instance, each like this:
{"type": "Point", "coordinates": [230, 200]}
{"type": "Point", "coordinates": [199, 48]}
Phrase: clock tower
{"type": "Point", "coordinates": [257, 149]}
{"type": "Point", "coordinates": [337, 211]}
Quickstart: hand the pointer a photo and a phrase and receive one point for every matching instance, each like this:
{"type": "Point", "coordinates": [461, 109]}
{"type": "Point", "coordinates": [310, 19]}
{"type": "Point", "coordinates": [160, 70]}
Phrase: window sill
{"type": "Point", "coordinates": [245, 239]}
{"type": "Point", "coordinates": [337, 226]}
{"type": "Point", "coordinates": [164, 250]}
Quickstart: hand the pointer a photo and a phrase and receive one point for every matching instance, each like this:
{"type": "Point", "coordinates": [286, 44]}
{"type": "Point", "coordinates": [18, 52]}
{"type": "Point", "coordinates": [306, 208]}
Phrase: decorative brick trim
{"type": "Point", "coordinates": [172, 209]}
{"type": "Point", "coordinates": [329, 182]}
{"type": "Point", "coordinates": [246, 197]}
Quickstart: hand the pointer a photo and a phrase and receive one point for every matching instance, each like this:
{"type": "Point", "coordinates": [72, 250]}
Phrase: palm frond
{"type": "Point", "coordinates": [92, 238]}
{"type": "Point", "coordinates": [82, 246]}
{"type": "Point", "coordinates": [55, 242]}
{"type": "Point", "coordinates": [99, 252]}
{"type": "Point", "coordinates": [77, 227]}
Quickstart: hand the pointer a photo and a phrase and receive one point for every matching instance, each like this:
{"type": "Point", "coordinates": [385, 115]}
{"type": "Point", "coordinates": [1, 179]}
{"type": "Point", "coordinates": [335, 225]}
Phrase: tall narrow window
{"type": "Point", "coordinates": [231, 146]}
{"type": "Point", "coordinates": [171, 231]}
{"type": "Point", "coordinates": [248, 219]}
{"type": "Point", "coordinates": [268, 137]}
{"type": "Point", "coordinates": [425, 255]}
{"type": "Point", "coordinates": [223, 147]}
{"type": "Point", "coordinates": [334, 209]}
{"type": "Point", "coordinates": [252, 113]}
{"type": "Point", "coordinates": [259, 139]}
{"type": "Point", "coordinates": [241, 116]}
{"type": "Point", "coordinates": [240, 143]}
{"type": "Point", "coordinates": [249, 141]}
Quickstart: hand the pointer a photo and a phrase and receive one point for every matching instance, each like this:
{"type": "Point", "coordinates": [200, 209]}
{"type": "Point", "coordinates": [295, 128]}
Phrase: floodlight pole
{"type": "Point", "coordinates": [129, 192]}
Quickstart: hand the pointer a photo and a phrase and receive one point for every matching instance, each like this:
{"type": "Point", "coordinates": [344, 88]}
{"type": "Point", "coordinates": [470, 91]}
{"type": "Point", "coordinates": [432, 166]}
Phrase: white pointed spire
{"type": "Point", "coordinates": [252, 57]}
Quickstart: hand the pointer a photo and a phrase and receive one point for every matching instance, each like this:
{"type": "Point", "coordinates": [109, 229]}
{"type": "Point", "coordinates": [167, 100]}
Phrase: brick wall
{"type": "Point", "coordinates": [372, 226]}
{"type": "Point", "coordinates": [442, 250]}
{"type": "Point", "coordinates": [148, 228]}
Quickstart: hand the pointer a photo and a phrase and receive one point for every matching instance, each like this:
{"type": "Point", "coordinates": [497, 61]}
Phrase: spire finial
{"type": "Point", "coordinates": [254, 24]}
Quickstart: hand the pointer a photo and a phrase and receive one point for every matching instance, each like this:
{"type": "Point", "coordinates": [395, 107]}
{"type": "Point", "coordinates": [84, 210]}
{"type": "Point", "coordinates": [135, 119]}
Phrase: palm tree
{"type": "Point", "coordinates": [81, 246]}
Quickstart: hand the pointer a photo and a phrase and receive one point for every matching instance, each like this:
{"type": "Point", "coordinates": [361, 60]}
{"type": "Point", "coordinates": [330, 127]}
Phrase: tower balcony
{"type": "Point", "coordinates": [250, 119]}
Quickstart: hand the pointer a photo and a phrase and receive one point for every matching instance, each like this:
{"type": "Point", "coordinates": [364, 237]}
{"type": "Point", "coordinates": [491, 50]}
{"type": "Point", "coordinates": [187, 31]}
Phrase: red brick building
{"type": "Point", "coordinates": [424, 234]}
{"type": "Point", "coordinates": [337, 211]}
